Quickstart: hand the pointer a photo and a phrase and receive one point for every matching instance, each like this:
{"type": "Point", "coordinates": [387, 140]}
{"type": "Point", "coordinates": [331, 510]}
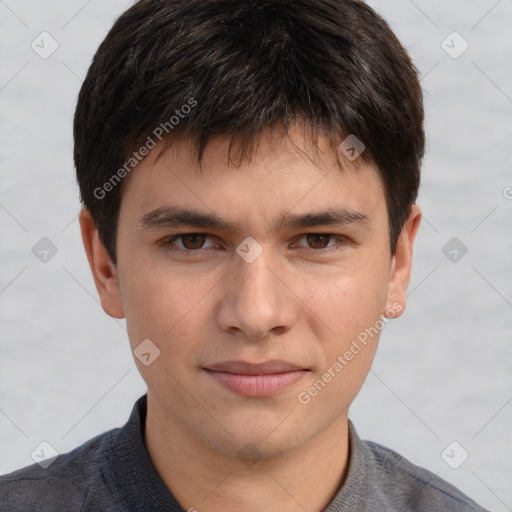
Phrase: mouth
{"type": "Point", "coordinates": [256, 380]}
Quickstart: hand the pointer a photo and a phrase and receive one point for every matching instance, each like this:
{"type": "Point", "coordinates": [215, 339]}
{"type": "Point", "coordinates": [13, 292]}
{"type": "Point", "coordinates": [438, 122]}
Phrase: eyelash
{"type": "Point", "coordinates": [167, 242]}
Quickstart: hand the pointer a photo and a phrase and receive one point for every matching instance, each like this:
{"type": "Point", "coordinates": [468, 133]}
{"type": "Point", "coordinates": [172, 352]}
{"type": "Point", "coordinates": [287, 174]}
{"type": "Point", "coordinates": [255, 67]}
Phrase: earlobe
{"type": "Point", "coordinates": [401, 264]}
{"type": "Point", "coordinates": [103, 270]}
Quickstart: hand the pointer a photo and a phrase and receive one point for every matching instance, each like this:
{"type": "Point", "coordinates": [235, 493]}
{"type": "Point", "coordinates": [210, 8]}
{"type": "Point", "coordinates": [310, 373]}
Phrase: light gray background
{"type": "Point", "coordinates": [443, 372]}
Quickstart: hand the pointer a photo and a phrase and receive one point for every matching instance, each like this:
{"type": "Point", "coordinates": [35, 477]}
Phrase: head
{"type": "Point", "coordinates": [246, 119]}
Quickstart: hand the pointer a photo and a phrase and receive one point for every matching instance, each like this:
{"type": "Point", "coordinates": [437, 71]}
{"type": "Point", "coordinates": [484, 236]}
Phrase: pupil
{"type": "Point", "coordinates": [316, 240]}
{"type": "Point", "coordinates": [195, 240]}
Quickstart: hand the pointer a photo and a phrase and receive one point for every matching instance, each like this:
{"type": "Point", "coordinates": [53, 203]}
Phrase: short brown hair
{"type": "Point", "coordinates": [247, 65]}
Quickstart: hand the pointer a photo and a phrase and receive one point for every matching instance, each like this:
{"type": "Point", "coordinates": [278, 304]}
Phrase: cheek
{"type": "Point", "coordinates": [164, 305]}
{"type": "Point", "coordinates": [348, 329]}
{"type": "Point", "coordinates": [346, 299]}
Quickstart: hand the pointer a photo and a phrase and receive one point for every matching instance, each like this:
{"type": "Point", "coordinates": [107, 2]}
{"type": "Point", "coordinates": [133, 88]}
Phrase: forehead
{"type": "Point", "coordinates": [282, 173]}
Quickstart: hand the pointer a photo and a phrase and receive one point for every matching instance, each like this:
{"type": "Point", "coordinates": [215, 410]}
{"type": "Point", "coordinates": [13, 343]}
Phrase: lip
{"type": "Point", "coordinates": [256, 380]}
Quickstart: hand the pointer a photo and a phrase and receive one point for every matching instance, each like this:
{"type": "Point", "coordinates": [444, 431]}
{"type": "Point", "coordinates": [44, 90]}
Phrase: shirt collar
{"type": "Point", "coordinates": [140, 487]}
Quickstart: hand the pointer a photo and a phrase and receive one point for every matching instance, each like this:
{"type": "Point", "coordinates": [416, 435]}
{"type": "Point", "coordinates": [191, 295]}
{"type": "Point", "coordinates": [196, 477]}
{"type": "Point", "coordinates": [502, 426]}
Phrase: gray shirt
{"type": "Point", "coordinates": [113, 473]}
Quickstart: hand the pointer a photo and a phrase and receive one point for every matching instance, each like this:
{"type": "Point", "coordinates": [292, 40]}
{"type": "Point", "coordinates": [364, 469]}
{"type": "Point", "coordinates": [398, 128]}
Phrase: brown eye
{"type": "Point", "coordinates": [193, 241]}
{"type": "Point", "coordinates": [317, 241]}
{"type": "Point", "coordinates": [190, 243]}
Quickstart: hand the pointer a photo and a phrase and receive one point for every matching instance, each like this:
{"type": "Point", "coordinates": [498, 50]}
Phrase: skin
{"type": "Point", "coordinates": [295, 302]}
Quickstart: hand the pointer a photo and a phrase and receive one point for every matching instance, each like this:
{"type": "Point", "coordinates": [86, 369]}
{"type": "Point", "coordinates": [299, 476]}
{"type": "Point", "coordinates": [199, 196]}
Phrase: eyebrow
{"type": "Point", "coordinates": [176, 217]}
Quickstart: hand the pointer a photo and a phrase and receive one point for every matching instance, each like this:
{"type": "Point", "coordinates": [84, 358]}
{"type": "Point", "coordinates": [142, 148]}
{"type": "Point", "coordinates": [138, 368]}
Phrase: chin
{"type": "Point", "coordinates": [259, 436]}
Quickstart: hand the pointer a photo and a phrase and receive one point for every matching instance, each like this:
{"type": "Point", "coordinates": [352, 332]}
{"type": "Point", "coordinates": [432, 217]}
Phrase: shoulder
{"type": "Point", "coordinates": [65, 484]}
{"type": "Point", "coordinates": [412, 487]}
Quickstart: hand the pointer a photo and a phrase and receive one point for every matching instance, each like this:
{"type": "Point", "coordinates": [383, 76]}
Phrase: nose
{"type": "Point", "coordinates": [258, 299]}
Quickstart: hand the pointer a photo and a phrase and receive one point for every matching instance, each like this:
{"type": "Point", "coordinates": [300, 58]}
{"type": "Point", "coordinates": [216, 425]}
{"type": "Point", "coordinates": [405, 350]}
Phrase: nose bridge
{"type": "Point", "coordinates": [256, 279]}
{"type": "Point", "coordinates": [256, 302]}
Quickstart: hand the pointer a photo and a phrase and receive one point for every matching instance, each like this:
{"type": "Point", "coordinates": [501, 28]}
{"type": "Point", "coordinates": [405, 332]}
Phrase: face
{"type": "Point", "coordinates": [262, 288]}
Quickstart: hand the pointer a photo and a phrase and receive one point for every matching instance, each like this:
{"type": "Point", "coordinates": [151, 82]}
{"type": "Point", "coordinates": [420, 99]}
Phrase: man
{"type": "Point", "coordinates": [248, 172]}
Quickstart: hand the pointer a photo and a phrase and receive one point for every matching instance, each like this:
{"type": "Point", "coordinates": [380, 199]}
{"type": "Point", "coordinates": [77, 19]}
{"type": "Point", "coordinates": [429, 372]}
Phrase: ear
{"type": "Point", "coordinates": [103, 270]}
{"type": "Point", "coordinates": [401, 264]}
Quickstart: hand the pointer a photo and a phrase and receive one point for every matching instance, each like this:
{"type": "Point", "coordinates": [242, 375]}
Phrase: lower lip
{"type": "Point", "coordinates": [257, 386]}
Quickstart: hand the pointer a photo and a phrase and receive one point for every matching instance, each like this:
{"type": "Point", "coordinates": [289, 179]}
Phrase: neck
{"type": "Point", "coordinates": [204, 479]}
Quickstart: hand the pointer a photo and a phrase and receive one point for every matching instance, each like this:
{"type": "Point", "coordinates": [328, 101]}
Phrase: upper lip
{"type": "Point", "coordinates": [246, 368]}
